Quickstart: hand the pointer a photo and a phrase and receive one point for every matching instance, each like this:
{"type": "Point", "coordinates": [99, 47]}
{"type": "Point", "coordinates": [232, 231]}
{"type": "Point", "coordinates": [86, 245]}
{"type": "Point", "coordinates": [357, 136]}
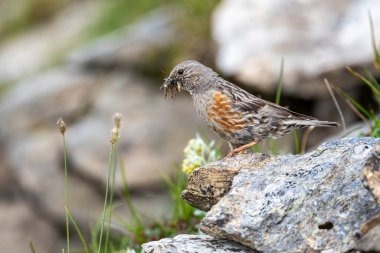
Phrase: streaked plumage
{"type": "Point", "coordinates": [235, 115]}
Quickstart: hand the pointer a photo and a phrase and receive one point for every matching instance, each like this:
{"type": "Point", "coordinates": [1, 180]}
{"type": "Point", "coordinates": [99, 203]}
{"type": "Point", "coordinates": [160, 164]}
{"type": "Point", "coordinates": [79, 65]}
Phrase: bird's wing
{"type": "Point", "coordinates": [246, 102]}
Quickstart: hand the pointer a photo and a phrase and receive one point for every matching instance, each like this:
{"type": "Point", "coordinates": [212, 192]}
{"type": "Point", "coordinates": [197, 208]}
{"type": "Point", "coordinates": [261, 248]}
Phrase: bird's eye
{"type": "Point", "coordinates": [180, 71]}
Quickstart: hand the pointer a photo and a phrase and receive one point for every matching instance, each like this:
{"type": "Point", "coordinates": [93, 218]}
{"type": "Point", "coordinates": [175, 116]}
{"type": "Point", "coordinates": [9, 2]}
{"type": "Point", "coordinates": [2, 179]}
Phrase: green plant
{"type": "Point", "coordinates": [198, 153]}
{"type": "Point", "coordinates": [110, 184]}
{"type": "Point", "coordinates": [62, 128]}
{"type": "Point", "coordinates": [368, 115]}
{"type": "Point", "coordinates": [31, 247]}
{"type": "Point", "coordinates": [183, 217]}
{"type": "Point", "coordinates": [109, 190]}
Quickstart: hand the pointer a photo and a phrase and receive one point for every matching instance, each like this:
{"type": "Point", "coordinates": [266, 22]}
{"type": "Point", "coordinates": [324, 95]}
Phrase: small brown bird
{"type": "Point", "coordinates": [237, 116]}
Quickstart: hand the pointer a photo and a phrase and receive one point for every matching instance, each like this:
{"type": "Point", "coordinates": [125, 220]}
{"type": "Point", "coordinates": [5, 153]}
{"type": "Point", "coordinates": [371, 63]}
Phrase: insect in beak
{"type": "Point", "coordinates": [169, 85]}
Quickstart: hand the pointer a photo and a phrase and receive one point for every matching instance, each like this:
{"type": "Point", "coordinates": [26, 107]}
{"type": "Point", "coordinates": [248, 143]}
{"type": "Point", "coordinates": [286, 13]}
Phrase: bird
{"type": "Point", "coordinates": [237, 116]}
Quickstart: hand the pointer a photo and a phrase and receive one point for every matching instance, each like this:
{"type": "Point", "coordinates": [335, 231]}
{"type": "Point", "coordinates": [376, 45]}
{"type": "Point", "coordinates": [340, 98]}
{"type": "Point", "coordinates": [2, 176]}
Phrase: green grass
{"type": "Point", "coordinates": [182, 219]}
{"type": "Point", "coordinates": [368, 115]}
{"type": "Point", "coordinates": [27, 13]}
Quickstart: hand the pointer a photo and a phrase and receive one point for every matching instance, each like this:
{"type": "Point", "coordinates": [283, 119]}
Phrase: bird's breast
{"type": "Point", "coordinates": [217, 110]}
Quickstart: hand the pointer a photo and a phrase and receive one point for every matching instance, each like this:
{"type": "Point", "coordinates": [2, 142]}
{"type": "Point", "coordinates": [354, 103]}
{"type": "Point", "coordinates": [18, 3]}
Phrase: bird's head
{"type": "Point", "coordinates": [188, 75]}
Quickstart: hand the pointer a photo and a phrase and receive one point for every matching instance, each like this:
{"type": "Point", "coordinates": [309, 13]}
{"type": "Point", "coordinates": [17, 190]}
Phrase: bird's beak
{"type": "Point", "coordinates": [166, 83]}
{"type": "Point", "coordinates": [170, 85]}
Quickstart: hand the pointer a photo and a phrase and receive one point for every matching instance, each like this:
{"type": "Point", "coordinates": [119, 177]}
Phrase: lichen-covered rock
{"type": "Point", "coordinates": [370, 242]}
{"type": "Point", "coordinates": [371, 173]}
{"type": "Point", "coordinates": [206, 185]}
{"type": "Point", "coordinates": [297, 203]}
{"type": "Point", "coordinates": [193, 244]}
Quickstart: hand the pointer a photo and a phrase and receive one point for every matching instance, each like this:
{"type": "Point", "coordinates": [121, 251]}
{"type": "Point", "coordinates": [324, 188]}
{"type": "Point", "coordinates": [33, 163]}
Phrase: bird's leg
{"type": "Point", "coordinates": [239, 149]}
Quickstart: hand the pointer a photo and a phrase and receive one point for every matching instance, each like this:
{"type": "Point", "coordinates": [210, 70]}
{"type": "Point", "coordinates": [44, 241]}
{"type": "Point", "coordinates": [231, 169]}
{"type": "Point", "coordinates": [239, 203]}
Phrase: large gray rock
{"type": "Point", "coordinates": [194, 244]}
{"type": "Point", "coordinates": [316, 38]}
{"type": "Point", "coordinates": [296, 203]}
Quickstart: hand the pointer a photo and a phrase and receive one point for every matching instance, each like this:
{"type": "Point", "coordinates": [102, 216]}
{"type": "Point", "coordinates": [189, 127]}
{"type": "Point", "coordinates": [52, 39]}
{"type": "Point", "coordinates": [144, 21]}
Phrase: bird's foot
{"type": "Point", "coordinates": [240, 149]}
{"type": "Point", "coordinates": [233, 153]}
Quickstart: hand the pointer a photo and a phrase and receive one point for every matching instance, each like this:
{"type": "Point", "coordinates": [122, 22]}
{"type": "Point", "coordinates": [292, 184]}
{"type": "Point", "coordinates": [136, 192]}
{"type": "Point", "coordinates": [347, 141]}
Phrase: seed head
{"type": "Point", "coordinates": [61, 125]}
{"type": "Point", "coordinates": [114, 135]}
{"type": "Point", "coordinates": [117, 120]}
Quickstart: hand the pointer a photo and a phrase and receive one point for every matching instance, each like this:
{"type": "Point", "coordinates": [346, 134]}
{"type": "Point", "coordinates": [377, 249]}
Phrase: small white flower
{"type": "Point", "coordinates": [198, 153]}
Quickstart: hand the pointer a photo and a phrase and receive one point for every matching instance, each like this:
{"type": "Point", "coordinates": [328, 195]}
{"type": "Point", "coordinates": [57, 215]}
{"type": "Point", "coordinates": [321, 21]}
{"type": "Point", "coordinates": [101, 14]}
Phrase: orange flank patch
{"type": "Point", "coordinates": [221, 113]}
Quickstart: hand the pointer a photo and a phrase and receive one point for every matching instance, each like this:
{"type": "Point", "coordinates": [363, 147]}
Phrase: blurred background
{"type": "Point", "coordinates": [84, 60]}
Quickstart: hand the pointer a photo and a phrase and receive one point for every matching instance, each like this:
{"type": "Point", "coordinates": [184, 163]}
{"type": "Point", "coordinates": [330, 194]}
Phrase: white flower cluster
{"type": "Point", "coordinates": [198, 153]}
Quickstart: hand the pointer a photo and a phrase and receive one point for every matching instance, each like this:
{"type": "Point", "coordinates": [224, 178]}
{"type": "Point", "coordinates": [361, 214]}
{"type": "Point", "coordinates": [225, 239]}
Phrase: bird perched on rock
{"type": "Point", "coordinates": [237, 116]}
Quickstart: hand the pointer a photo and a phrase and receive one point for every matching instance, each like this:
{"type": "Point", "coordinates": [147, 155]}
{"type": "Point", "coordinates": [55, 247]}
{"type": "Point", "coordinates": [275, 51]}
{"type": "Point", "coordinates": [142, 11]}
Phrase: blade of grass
{"type": "Point", "coordinates": [336, 104]}
{"type": "Point", "coordinates": [297, 140]}
{"type": "Point", "coordinates": [31, 246]}
{"type": "Point", "coordinates": [372, 79]}
{"type": "Point", "coordinates": [280, 82]}
{"type": "Point", "coordinates": [256, 148]}
{"type": "Point", "coordinates": [357, 112]}
{"type": "Point", "coordinates": [105, 198]}
{"type": "Point", "coordinates": [127, 196]}
{"type": "Point", "coordinates": [273, 147]}
{"type": "Point", "coordinates": [94, 235]}
{"type": "Point", "coordinates": [365, 81]}
{"type": "Point", "coordinates": [114, 167]}
{"type": "Point", "coordinates": [364, 113]}
{"type": "Point", "coordinates": [81, 237]}
{"type": "Point", "coordinates": [62, 128]}
{"type": "Point", "coordinates": [373, 39]}
{"type": "Point", "coordinates": [66, 193]}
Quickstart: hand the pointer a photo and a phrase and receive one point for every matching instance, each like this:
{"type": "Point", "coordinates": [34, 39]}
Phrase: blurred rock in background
{"type": "Point", "coordinates": [86, 60]}
{"type": "Point", "coordinates": [316, 39]}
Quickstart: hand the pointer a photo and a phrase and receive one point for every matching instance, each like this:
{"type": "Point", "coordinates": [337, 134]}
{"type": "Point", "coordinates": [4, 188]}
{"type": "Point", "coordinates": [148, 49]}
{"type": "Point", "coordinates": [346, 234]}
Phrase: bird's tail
{"type": "Point", "coordinates": [313, 122]}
